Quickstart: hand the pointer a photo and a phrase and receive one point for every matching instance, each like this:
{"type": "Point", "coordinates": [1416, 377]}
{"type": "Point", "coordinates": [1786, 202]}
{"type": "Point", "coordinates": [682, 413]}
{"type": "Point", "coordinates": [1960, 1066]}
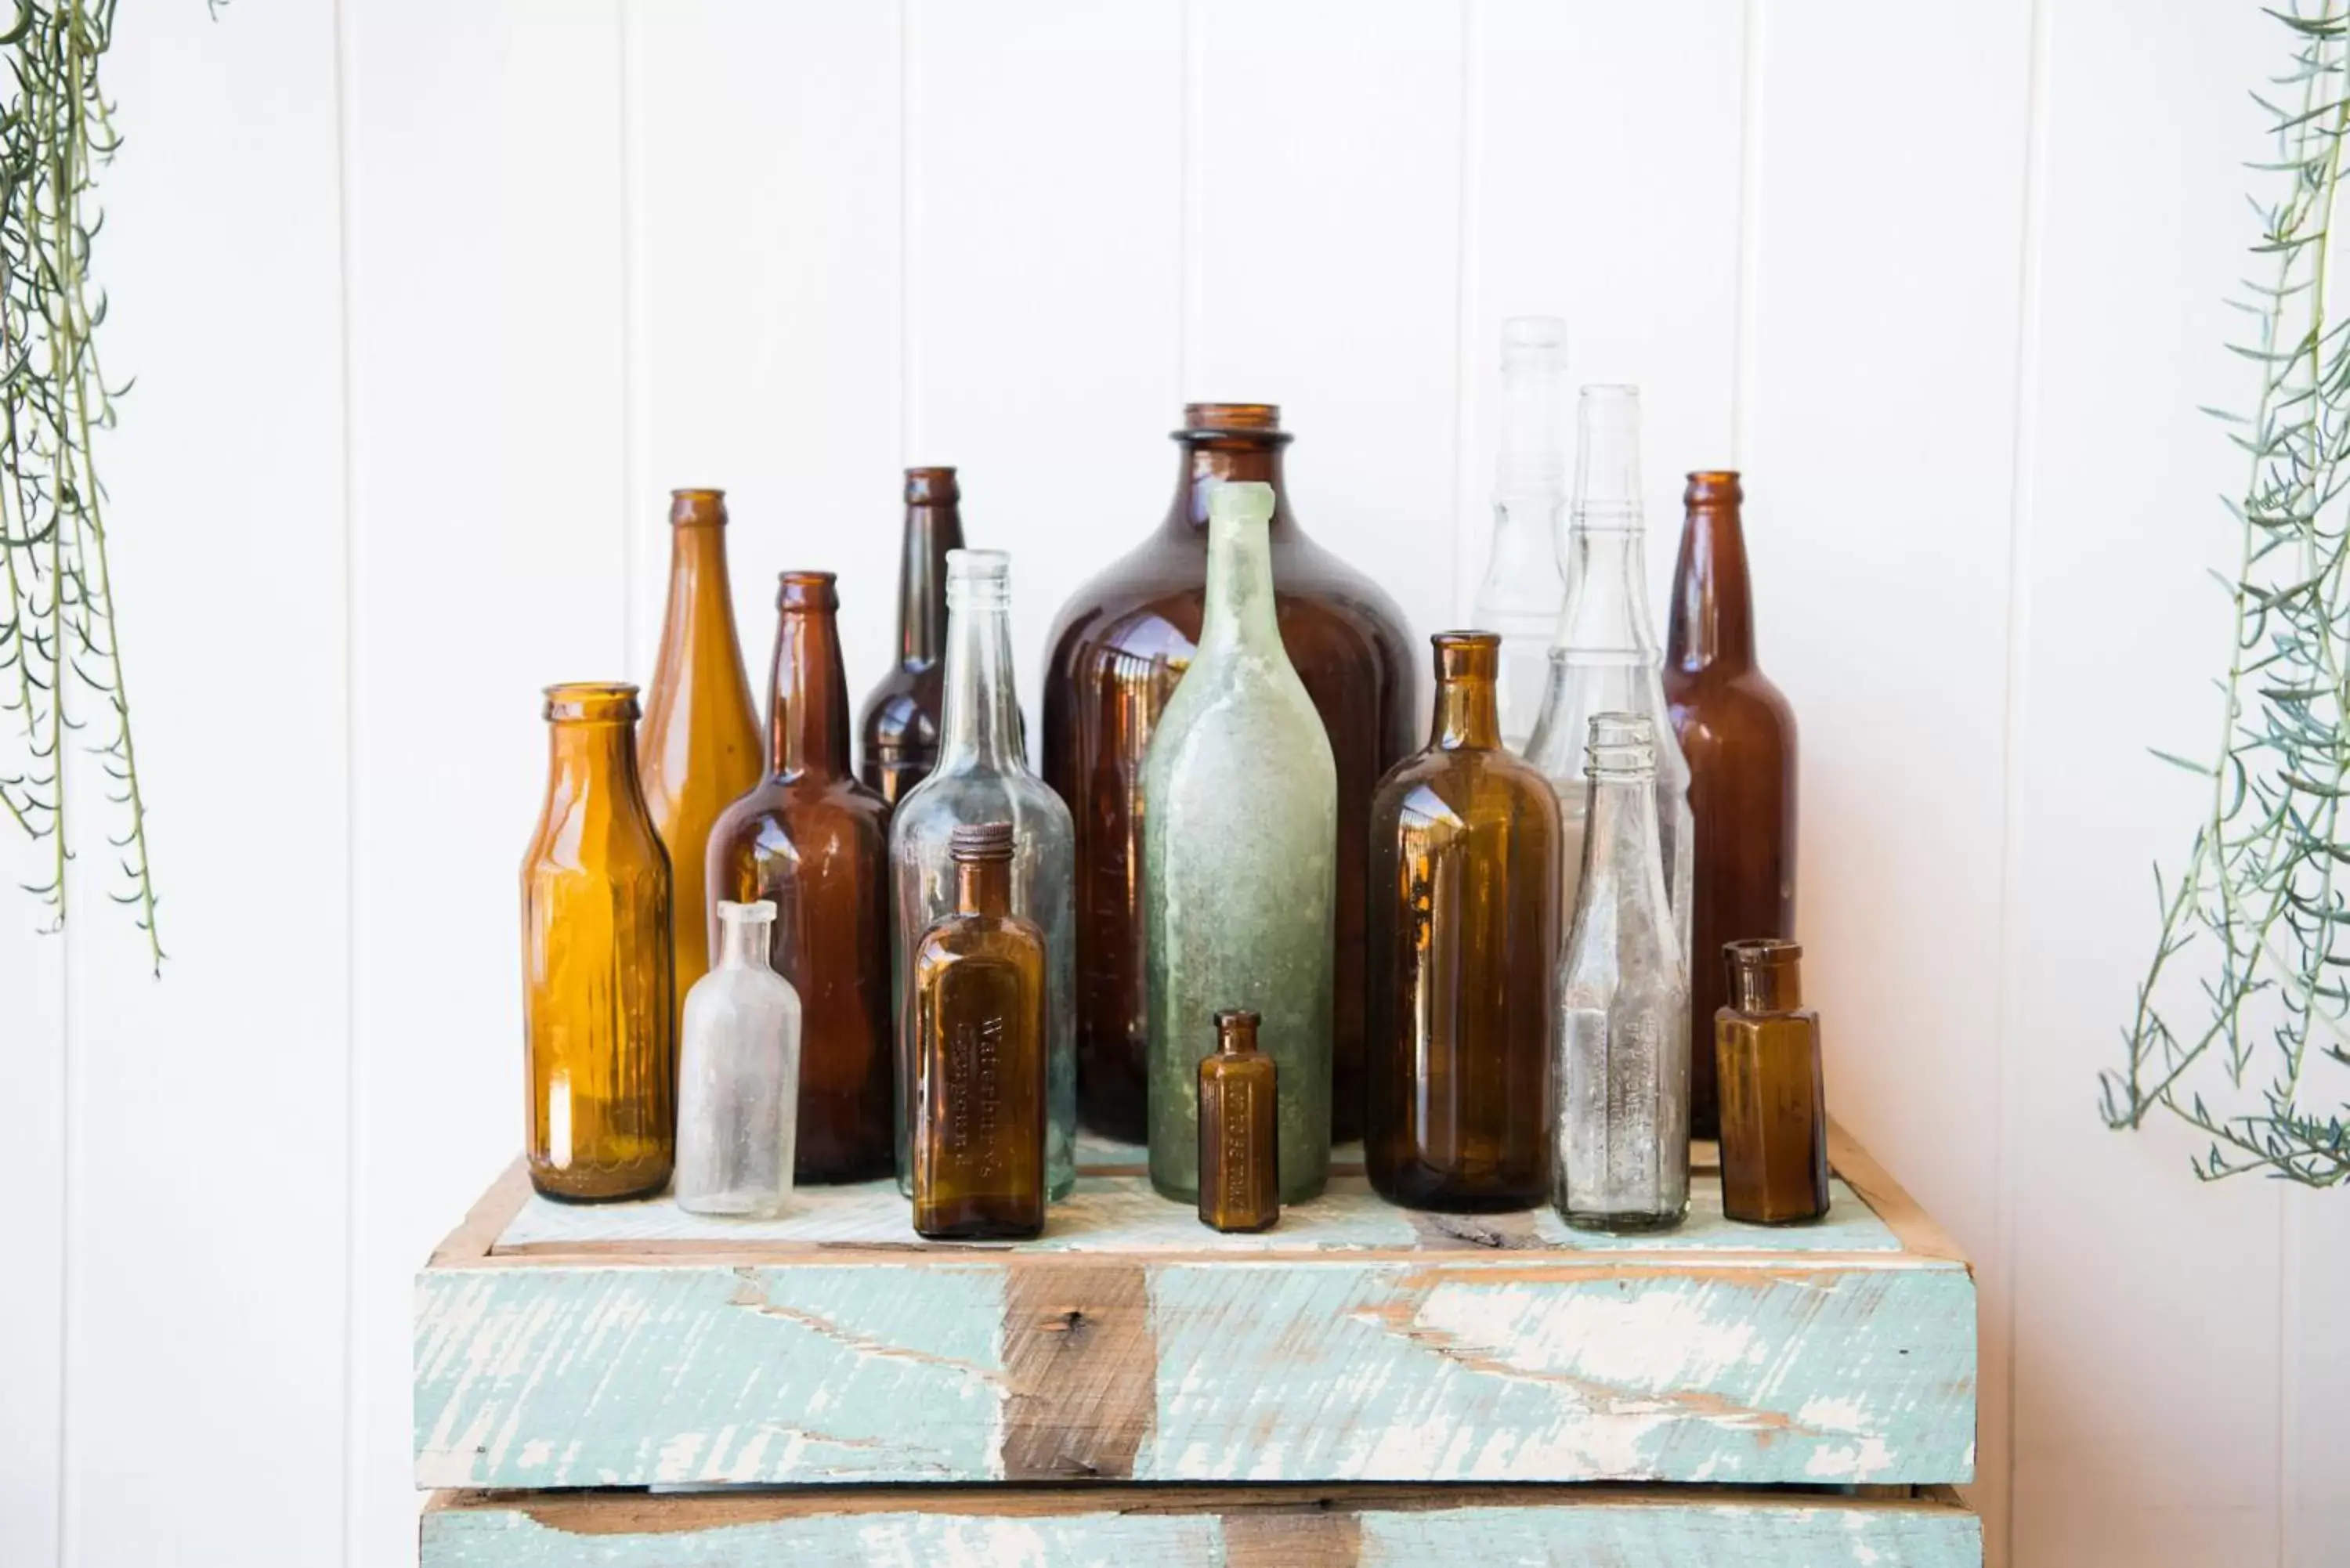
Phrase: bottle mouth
{"type": "Point", "coordinates": [1466, 655]}
{"type": "Point", "coordinates": [591, 702]}
{"type": "Point", "coordinates": [761, 913]}
{"type": "Point", "coordinates": [806, 591]}
{"type": "Point", "coordinates": [978, 579]}
{"type": "Point", "coordinates": [934, 486]}
{"type": "Point", "coordinates": [692, 508]}
{"type": "Point", "coordinates": [1622, 746]}
{"type": "Point", "coordinates": [1713, 486]}
{"type": "Point", "coordinates": [1252, 424]}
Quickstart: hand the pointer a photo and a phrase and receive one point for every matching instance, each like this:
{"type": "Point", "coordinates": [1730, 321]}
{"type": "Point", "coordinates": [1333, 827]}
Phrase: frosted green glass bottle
{"type": "Point", "coordinates": [1240, 856]}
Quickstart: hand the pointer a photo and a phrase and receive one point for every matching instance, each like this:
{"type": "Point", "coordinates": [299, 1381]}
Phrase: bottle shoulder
{"type": "Point", "coordinates": [1439, 785]}
{"type": "Point", "coordinates": [986, 941]}
{"type": "Point", "coordinates": [804, 809]}
{"type": "Point", "coordinates": [950, 797]}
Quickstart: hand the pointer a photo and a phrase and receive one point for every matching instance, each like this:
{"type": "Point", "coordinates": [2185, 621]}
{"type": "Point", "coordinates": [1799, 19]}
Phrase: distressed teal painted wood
{"type": "Point", "coordinates": [1127, 1526]}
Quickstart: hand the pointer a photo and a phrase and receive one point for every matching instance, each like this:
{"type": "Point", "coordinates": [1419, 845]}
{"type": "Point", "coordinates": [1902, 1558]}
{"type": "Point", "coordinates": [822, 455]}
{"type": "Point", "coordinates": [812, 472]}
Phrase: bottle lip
{"type": "Point", "coordinates": [1236, 424]}
{"type": "Point", "coordinates": [935, 485]}
{"type": "Point", "coordinates": [697, 507]}
{"type": "Point", "coordinates": [591, 702]}
{"type": "Point", "coordinates": [760, 913]}
{"type": "Point", "coordinates": [1714, 486]}
{"type": "Point", "coordinates": [1763, 952]}
{"type": "Point", "coordinates": [1236, 1030]}
{"type": "Point", "coordinates": [1621, 746]}
{"type": "Point", "coordinates": [978, 579]}
{"type": "Point", "coordinates": [805, 590]}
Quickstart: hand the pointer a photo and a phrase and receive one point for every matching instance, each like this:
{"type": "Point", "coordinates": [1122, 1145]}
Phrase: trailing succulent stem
{"type": "Point", "coordinates": [61, 671]}
{"type": "Point", "coordinates": [2241, 1016]}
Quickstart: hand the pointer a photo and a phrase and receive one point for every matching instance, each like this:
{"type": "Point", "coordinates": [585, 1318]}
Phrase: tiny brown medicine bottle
{"type": "Point", "coordinates": [1774, 1118]}
{"type": "Point", "coordinates": [978, 984]}
{"type": "Point", "coordinates": [1240, 1148]}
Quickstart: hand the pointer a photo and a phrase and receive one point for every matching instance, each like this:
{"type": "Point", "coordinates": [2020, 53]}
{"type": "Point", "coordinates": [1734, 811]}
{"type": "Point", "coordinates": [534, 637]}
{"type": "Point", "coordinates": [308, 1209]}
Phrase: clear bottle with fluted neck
{"type": "Point", "coordinates": [599, 1013]}
{"type": "Point", "coordinates": [1605, 658]}
{"type": "Point", "coordinates": [1118, 648]}
{"type": "Point", "coordinates": [697, 748]}
{"type": "Point", "coordinates": [1240, 862]}
{"type": "Point", "coordinates": [1774, 1106]}
{"type": "Point", "coordinates": [983, 775]}
{"type": "Point", "coordinates": [979, 1054]}
{"type": "Point", "coordinates": [899, 726]}
{"type": "Point", "coordinates": [1526, 587]}
{"type": "Point", "coordinates": [814, 842]}
{"type": "Point", "coordinates": [1623, 1000]}
{"type": "Point", "coordinates": [738, 1075]}
{"type": "Point", "coordinates": [1464, 945]}
{"type": "Point", "coordinates": [1738, 735]}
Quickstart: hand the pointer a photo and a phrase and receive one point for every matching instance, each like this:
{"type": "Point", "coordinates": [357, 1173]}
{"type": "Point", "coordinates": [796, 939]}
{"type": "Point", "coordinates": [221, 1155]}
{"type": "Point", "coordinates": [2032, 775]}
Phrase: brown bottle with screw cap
{"type": "Point", "coordinates": [1775, 1116]}
{"type": "Point", "coordinates": [1240, 1147]}
{"type": "Point", "coordinates": [978, 982]}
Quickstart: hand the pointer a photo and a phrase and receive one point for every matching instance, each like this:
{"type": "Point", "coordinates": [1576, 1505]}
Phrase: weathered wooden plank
{"type": "Point", "coordinates": [1249, 1527]}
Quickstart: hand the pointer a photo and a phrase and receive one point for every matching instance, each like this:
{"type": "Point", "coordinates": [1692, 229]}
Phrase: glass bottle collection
{"type": "Point", "coordinates": [1236, 917]}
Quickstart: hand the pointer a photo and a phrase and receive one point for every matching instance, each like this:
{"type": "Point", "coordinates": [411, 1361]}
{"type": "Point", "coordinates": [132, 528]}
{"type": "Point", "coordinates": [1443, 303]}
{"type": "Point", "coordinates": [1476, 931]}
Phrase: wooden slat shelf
{"type": "Point", "coordinates": [631, 1345]}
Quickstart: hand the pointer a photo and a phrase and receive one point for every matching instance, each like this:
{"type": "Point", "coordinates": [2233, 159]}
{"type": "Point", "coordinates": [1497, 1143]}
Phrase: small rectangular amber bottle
{"type": "Point", "coordinates": [1774, 1116]}
{"type": "Point", "coordinates": [1240, 1146]}
{"type": "Point", "coordinates": [978, 979]}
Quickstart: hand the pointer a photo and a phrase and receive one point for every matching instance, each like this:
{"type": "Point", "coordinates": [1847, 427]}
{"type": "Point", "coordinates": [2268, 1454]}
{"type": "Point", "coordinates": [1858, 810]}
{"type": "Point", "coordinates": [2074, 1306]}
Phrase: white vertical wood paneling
{"type": "Point", "coordinates": [210, 1108]}
{"type": "Point", "coordinates": [1045, 163]}
{"type": "Point", "coordinates": [32, 1305]}
{"type": "Point", "coordinates": [766, 273]}
{"type": "Point", "coordinates": [1878, 470]}
{"type": "Point", "coordinates": [2146, 1414]}
{"type": "Point", "coordinates": [1323, 236]}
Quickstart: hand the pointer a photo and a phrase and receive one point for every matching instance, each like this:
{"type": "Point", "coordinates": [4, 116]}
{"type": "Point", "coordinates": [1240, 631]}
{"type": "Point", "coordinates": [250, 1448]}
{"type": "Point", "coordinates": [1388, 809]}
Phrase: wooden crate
{"type": "Point", "coordinates": [634, 1346]}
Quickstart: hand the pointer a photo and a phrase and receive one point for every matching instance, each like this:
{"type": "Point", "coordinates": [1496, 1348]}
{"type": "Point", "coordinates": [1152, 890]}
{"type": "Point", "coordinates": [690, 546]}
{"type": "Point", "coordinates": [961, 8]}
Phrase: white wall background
{"type": "Point", "coordinates": [431, 300]}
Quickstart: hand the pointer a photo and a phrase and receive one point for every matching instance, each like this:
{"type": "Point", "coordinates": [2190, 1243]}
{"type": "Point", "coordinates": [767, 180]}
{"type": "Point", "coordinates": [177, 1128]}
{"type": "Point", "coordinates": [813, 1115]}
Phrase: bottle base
{"type": "Point", "coordinates": [736, 1205]}
{"type": "Point", "coordinates": [1621, 1224]}
{"type": "Point", "coordinates": [610, 1189]}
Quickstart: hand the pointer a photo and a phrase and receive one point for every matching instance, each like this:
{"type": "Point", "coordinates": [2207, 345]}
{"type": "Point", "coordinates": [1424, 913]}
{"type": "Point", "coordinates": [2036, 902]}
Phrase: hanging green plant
{"type": "Point", "coordinates": [62, 689]}
{"type": "Point", "coordinates": [2240, 1025]}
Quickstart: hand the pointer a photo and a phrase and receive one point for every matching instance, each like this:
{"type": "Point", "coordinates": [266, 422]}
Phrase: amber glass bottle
{"type": "Point", "coordinates": [898, 729]}
{"type": "Point", "coordinates": [1739, 736]}
{"type": "Point", "coordinates": [1465, 880]}
{"type": "Point", "coordinates": [813, 841]}
{"type": "Point", "coordinates": [598, 1007]}
{"type": "Point", "coordinates": [978, 980]}
{"type": "Point", "coordinates": [1240, 1142]}
{"type": "Point", "coordinates": [1774, 1108]}
{"type": "Point", "coordinates": [698, 747]}
{"type": "Point", "coordinates": [1118, 650]}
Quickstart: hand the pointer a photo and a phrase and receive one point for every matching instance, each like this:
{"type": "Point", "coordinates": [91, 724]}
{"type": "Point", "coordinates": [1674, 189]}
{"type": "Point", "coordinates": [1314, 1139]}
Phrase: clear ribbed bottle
{"type": "Point", "coordinates": [1526, 587]}
{"type": "Point", "coordinates": [1622, 1158]}
{"type": "Point", "coordinates": [983, 775]}
{"type": "Point", "coordinates": [1605, 658]}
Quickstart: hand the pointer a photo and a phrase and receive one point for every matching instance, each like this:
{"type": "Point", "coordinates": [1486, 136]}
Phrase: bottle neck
{"type": "Point", "coordinates": [745, 944]}
{"type": "Point", "coordinates": [1626, 857]}
{"type": "Point", "coordinates": [983, 887]}
{"type": "Point", "coordinates": [1468, 711]}
{"type": "Point", "coordinates": [807, 701]}
{"type": "Point", "coordinates": [1221, 457]}
{"type": "Point", "coordinates": [979, 719]}
{"type": "Point", "coordinates": [585, 755]}
{"type": "Point", "coordinates": [1239, 610]}
{"type": "Point", "coordinates": [700, 598]}
{"type": "Point", "coordinates": [932, 528]}
{"type": "Point", "coordinates": [1524, 565]}
{"type": "Point", "coordinates": [1606, 613]}
{"type": "Point", "coordinates": [1713, 607]}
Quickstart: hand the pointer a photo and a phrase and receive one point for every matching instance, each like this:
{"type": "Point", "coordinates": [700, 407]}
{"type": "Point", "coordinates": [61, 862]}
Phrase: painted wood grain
{"type": "Point", "coordinates": [1249, 1528]}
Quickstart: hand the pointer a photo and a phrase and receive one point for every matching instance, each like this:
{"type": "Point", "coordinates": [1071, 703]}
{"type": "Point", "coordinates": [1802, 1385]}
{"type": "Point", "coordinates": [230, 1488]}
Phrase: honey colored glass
{"type": "Point", "coordinates": [698, 747]}
{"type": "Point", "coordinates": [1774, 1108]}
{"type": "Point", "coordinates": [812, 840]}
{"type": "Point", "coordinates": [1118, 648]}
{"type": "Point", "coordinates": [599, 1012]}
{"type": "Point", "coordinates": [1465, 886]}
{"type": "Point", "coordinates": [1240, 1151]}
{"type": "Point", "coordinates": [899, 729]}
{"type": "Point", "coordinates": [979, 1056]}
{"type": "Point", "coordinates": [1739, 736]}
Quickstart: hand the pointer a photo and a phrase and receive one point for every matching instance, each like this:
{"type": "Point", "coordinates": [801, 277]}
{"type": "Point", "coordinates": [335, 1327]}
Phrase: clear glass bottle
{"type": "Point", "coordinates": [1623, 998]}
{"type": "Point", "coordinates": [599, 1018]}
{"type": "Point", "coordinates": [979, 1056]}
{"type": "Point", "coordinates": [1464, 947]}
{"type": "Point", "coordinates": [738, 1075]}
{"type": "Point", "coordinates": [1774, 1108]}
{"type": "Point", "coordinates": [1605, 658]}
{"type": "Point", "coordinates": [900, 723]}
{"type": "Point", "coordinates": [1240, 862]}
{"type": "Point", "coordinates": [983, 775]}
{"type": "Point", "coordinates": [1526, 587]}
{"type": "Point", "coordinates": [1240, 1147]}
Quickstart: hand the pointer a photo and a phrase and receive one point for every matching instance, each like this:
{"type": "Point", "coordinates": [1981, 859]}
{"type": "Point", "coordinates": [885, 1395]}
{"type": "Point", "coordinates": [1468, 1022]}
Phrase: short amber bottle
{"type": "Point", "coordinates": [1774, 1113]}
{"type": "Point", "coordinates": [814, 842]}
{"type": "Point", "coordinates": [599, 1008]}
{"type": "Point", "coordinates": [898, 727]}
{"type": "Point", "coordinates": [1465, 889]}
{"type": "Point", "coordinates": [978, 982]}
{"type": "Point", "coordinates": [1240, 1142]}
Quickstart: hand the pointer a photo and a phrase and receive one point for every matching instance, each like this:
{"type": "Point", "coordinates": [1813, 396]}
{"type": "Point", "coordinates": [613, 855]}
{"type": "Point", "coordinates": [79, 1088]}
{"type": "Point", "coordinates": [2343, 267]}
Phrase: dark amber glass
{"type": "Point", "coordinates": [1240, 1139]}
{"type": "Point", "coordinates": [600, 1021]}
{"type": "Point", "coordinates": [698, 747]}
{"type": "Point", "coordinates": [899, 729]}
{"type": "Point", "coordinates": [1774, 1109]}
{"type": "Point", "coordinates": [1465, 879]}
{"type": "Point", "coordinates": [814, 840]}
{"type": "Point", "coordinates": [1118, 650]}
{"type": "Point", "coordinates": [978, 980]}
{"type": "Point", "coordinates": [1738, 735]}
